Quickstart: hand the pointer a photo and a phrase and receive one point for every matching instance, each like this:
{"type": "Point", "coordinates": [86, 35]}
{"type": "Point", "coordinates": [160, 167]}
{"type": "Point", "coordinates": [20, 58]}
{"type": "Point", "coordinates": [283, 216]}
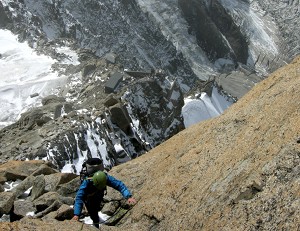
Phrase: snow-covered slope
{"type": "Point", "coordinates": [25, 77]}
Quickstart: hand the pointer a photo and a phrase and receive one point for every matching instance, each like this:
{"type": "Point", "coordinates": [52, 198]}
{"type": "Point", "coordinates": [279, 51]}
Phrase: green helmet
{"type": "Point", "coordinates": [99, 180]}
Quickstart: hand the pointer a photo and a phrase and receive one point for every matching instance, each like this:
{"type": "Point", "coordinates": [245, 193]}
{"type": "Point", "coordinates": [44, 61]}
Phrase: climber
{"type": "Point", "coordinates": [91, 192]}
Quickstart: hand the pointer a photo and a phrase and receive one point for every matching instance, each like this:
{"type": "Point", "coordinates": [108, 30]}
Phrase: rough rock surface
{"type": "Point", "coordinates": [286, 15]}
{"type": "Point", "coordinates": [61, 131]}
{"type": "Point", "coordinates": [48, 225]}
{"type": "Point", "coordinates": [239, 171]}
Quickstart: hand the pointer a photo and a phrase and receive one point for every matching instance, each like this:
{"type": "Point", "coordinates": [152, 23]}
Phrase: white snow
{"type": "Point", "coordinates": [9, 185]}
{"type": "Point", "coordinates": [96, 144]}
{"type": "Point", "coordinates": [23, 73]}
{"type": "Point", "coordinates": [95, 149]}
{"type": "Point", "coordinates": [197, 110]}
{"type": "Point", "coordinates": [77, 163]}
{"type": "Point", "coordinates": [30, 214]}
{"type": "Point", "coordinates": [87, 220]}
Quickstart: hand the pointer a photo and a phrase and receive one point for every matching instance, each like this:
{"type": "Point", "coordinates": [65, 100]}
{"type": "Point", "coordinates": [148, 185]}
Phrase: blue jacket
{"type": "Point", "coordinates": [86, 188]}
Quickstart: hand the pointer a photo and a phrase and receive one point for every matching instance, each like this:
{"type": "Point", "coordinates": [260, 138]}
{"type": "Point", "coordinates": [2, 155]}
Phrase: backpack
{"type": "Point", "coordinates": [89, 167]}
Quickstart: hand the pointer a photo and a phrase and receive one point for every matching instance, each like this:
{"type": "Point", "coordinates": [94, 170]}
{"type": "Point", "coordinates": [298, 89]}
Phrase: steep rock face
{"type": "Point", "coordinates": [64, 132]}
{"type": "Point", "coordinates": [185, 37]}
{"type": "Point", "coordinates": [216, 32]}
{"type": "Point", "coordinates": [156, 107]}
{"type": "Point", "coordinates": [104, 27]}
{"type": "Point", "coordinates": [286, 15]}
{"type": "Point", "coordinates": [239, 171]}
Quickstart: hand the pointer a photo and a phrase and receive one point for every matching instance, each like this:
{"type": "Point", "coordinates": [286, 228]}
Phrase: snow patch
{"type": "Point", "coordinates": [23, 73]}
{"type": "Point", "coordinates": [203, 108]}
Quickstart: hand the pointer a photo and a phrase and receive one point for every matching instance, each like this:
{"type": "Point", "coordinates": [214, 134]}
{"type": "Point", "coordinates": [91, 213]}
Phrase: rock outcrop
{"type": "Point", "coordinates": [92, 123]}
{"type": "Point", "coordinates": [239, 171]}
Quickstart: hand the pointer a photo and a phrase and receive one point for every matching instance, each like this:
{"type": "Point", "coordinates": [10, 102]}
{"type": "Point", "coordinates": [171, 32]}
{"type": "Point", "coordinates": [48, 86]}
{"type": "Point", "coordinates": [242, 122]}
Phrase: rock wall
{"type": "Point", "coordinates": [239, 171]}
{"type": "Point", "coordinates": [216, 32]}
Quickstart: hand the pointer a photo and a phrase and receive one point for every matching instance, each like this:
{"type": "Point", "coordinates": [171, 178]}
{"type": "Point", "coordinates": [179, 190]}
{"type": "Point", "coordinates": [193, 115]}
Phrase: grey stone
{"type": "Point", "coordinates": [236, 83]}
{"type": "Point", "coordinates": [65, 212]}
{"type": "Point", "coordinates": [22, 207]}
{"type": "Point", "coordinates": [66, 108]}
{"type": "Point", "coordinates": [113, 81]}
{"type": "Point", "coordinates": [120, 117]}
{"type": "Point", "coordinates": [34, 95]}
{"type": "Point", "coordinates": [110, 208]}
{"type": "Point", "coordinates": [23, 186]}
{"type": "Point", "coordinates": [38, 187]}
{"type": "Point", "coordinates": [69, 189]}
{"type": "Point", "coordinates": [1, 188]}
{"type": "Point", "coordinates": [44, 169]}
{"type": "Point", "coordinates": [50, 201]}
{"type": "Point", "coordinates": [111, 57]}
{"type": "Point", "coordinates": [88, 69]}
{"type": "Point", "coordinates": [52, 99]}
{"type": "Point", "coordinates": [54, 180]}
{"type": "Point", "coordinates": [6, 202]}
{"type": "Point", "coordinates": [110, 101]}
{"type": "Point", "coordinates": [140, 74]}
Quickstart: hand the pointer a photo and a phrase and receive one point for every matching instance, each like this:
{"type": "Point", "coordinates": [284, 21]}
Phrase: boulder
{"type": "Point", "coordinates": [23, 207]}
{"type": "Point", "coordinates": [112, 83]}
{"type": "Point", "coordinates": [236, 83]}
{"type": "Point", "coordinates": [69, 189]}
{"type": "Point", "coordinates": [3, 178]}
{"type": "Point", "coordinates": [52, 99]}
{"type": "Point", "coordinates": [120, 117]}
{"type": "Point", "coordinates": [38, 187]}
{"type": "Point", "coordinates": [110, 208]}
{"type": "Point", "coordinates": [6, 202]}
{"type": "Point", "coordinates": [47, 199]}
{"type": "Point", "coordinates": [1, 188]}
{"type": "Point", "coordinates": [158, 108]}
{"type": "Point", "coordinates": [49, 202]}
{"type": "Point", "coordinates": [30, 119]}
{"type": "Point", "coordinates": [62, 108]}
{"type": "Point", "coordinates": [65, 212]}
{"type": "Point", "coordinates": [44, 169]}
{"type": "Point", "coordinates": [14, 170]}
{"type": "Point", "coordinates": [22, 187]}
{"type": "Point", "coordinates": [88, 69]}
{"type": "Point", "coordinates": [110, 101]}
{"type": "Point", "coordinates": [28, 223]}
{"type": "Point", "coordinates": [111, 57]}
{"type": "Point", "coordinates": [54, 180]}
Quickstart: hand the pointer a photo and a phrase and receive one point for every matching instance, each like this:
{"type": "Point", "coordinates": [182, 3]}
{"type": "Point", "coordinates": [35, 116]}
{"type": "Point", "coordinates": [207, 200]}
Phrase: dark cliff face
{"type": "Point", "coordinates": [145, 36]}
{"type": "Point", "coordinates": [111, 26]}
{"type": "Point", "coordinates": [216, 32]}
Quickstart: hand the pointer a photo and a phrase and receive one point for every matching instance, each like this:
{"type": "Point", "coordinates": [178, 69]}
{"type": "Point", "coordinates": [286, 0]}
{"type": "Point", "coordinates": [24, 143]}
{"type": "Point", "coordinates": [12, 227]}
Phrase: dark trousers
{"type": "Point", "coordinates": [92, 205]}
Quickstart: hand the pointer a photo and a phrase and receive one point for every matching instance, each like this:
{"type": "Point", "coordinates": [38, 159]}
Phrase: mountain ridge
{"type": "Point", "coordinates": [238, 171]}
{"type": "Point", "coordinates": [225, 173]}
